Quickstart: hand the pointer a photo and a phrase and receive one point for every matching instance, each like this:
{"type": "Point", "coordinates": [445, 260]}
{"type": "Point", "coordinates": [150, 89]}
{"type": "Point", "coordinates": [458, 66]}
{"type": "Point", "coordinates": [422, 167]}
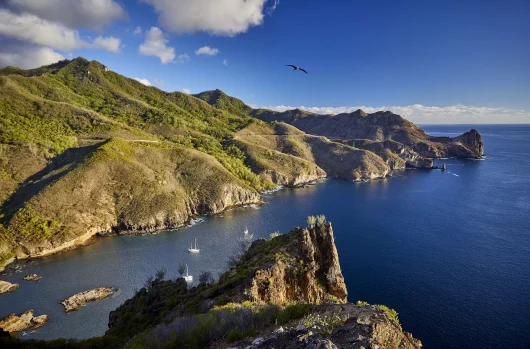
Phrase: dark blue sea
{"type": "Point", "coordinates": [450, 251]}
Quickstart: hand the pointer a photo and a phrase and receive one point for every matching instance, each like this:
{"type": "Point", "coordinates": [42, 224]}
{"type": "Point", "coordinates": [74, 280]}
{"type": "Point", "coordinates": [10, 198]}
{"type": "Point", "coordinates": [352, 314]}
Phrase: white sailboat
{"type": "Point", "coordinates": [194, 249]}
{"type": "Point", "coordinates": [187, 276]}
{"type": "Point", "coordinates": [246, 231]}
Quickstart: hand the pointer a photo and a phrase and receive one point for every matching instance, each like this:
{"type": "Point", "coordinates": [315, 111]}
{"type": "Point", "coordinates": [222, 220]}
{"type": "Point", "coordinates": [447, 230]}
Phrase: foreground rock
{"type": "Point", "coordinates": [32, 277]}
{"type": "Point", "coordinates": [74, 302]}
{"type": "Point", "coordinates": [26, 321]}
{"type": "Point", "coordinates": [7, 287]}
{"type": "Point", "coordinates": [355, 327]}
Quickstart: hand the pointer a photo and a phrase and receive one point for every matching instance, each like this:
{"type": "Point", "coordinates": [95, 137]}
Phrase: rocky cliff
{"type": "Point", "coordinates": [287, 291]}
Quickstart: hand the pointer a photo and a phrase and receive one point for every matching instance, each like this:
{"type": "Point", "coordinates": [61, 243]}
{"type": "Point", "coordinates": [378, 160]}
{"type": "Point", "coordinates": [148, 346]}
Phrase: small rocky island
{"type": "Point", "coordinates": [7, 287]}
{"type": "Point", "coordinates": [26, 321]}
{"type": "Point", "coordinates": [77, 300]}
{"type": "Point", "coordinates": [32, 277]}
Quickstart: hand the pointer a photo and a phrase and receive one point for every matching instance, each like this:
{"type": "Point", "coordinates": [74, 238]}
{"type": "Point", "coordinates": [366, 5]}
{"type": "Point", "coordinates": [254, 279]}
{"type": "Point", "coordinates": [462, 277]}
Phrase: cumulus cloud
{"type": "Point", "coordinates": [186, 91]}
{"type": "Point", "coordinates": [32, 29]}
{"type": "Point", "coordinates": [207, 51]}
{"type": "Point", "coordinates": [155, 44]}
{"type": "Point", "coordinates": [218, 17]}
{"type": "Point", "coordinates": [143, 81]}
{"type": "Point", "coordinates": [27, 57]}
{"type": "Point", "coordinates": [91, 14]}
{"type": "Point", "coordinates": [421, 114]}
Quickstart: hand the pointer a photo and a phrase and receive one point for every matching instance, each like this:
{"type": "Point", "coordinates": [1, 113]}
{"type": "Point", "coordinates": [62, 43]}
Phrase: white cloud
{"type": "Point", "coordinates": [158, 83]}
{"type": "Point", "coordinates": [155, 44]}
{"type": "Point", "coordinates": [207, 51]}
{"type": "Point", "coordinates": [225, 62]}
{"type": "Point", "coordinates": [138, 31]}
{"type": "Point", "coordinates": [420, 114]}
{"type": "Point", "coordinates": [91, 14]}
{"type": "Point", "coordinates": [32, 29]}
{"type": "Point", "coordinates": [182, 58]}
{"type": "Point", "coordinates": [218, 17]}
{"type": "Point", "coordinates": [27, 57]}
{"type": "Point", "coordinates": [109, 43]}
{"type": "Point", "coordinates": [186, 91]}
{"type": "Point", "coordinates": [143, 81]}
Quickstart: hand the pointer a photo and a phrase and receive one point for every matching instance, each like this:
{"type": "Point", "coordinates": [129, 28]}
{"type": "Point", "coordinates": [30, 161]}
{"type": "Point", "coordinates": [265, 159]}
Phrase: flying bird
{"type": "Point", "coordinates": [296, 68]}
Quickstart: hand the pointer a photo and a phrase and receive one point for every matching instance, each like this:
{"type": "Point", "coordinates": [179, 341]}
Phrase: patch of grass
{"type": "Point", "coordinates": [390, 312]}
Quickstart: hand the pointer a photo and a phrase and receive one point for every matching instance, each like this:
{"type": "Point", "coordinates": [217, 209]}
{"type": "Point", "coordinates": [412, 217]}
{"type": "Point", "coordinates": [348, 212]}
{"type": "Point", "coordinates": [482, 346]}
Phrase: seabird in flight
{"type": "Point", "coordinates": [296, 68]}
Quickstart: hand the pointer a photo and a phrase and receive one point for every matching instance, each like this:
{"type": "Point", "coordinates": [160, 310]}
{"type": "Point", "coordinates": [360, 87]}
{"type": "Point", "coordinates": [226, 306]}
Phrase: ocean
{"type": "Point", "coordinates": [450, 251]}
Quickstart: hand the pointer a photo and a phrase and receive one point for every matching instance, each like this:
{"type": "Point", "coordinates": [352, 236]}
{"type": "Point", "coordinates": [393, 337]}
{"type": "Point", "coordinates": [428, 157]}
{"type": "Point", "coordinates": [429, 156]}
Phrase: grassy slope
{"type": "Point", "coordinates": [66, 131]}
{"type": "Point", "coordinates": [52, 117]}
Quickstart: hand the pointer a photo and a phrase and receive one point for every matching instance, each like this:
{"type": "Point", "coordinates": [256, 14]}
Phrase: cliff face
{"type": "Point", "coordinates": [305, 268]}
{"type": "Point", "coordinates": [286, 292]}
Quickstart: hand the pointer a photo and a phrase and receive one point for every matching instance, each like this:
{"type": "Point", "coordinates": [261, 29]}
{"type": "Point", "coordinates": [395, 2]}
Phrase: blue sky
{"type": "Point", "coordinates": [446, 61]}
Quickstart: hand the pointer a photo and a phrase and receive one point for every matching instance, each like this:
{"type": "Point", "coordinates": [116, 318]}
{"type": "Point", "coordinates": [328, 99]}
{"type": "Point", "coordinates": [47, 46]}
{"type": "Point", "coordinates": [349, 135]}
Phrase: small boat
{"type": "Point", "coordinates": [194, 249]}
{"type": "Point", "coordinates": [246, 231]}
{"type": "Point", "coordinates": [187, 276]}
{"type": "Point", "coordinates": [444, 167]}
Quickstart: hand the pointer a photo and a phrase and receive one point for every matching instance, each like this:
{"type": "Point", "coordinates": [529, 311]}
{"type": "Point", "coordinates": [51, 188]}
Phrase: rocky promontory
{"type": "Point", "coordinates": [285, 292]}
{"type": "Point", "coordinates": [74, 302]}
{"type": "Point", "coordinates": [26, 321]}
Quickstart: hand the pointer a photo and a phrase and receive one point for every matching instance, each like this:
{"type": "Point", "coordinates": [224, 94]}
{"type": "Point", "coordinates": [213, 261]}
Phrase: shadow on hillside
{"type": "Point", "coordinates": [57, 168]}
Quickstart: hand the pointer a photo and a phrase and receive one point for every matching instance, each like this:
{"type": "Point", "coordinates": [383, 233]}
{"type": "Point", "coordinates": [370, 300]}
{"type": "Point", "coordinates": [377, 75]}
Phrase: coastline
{"type": "Point", "coordinates": [90, 237]}
{"type": "Point", "coordinates": [85, 239]}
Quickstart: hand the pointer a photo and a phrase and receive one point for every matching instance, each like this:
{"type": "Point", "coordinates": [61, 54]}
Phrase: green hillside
{"type": "Point", "coordinates": [84, 150]}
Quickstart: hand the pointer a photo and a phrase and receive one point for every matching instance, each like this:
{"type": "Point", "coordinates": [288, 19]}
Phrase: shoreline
{"type": "Point", "coordinates": [115, 231]}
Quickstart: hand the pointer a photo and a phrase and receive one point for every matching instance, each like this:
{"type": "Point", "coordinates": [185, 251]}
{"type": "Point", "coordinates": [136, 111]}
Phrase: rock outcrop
{"type": "Point", "coordinates": [32, 277]}
{"type": "Point", "coordinates": [74, 302]}
{"type": "Point", "coordinates": [7, 287]}
{"type": "Point", "coordinates": [26, 321]}
{"type": "Point", "coordinates": [305, 268]}
{"type": "Point", "coordinates": [355, 327]}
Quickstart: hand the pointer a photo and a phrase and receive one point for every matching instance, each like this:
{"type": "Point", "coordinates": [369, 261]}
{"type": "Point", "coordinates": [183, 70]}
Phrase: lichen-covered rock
{"type": "Point", "coordinates": [26, 321]}
{"type": "Point", "coordinates": [7, 287]}
{"type": "Point", "coordinates": [74, 302]}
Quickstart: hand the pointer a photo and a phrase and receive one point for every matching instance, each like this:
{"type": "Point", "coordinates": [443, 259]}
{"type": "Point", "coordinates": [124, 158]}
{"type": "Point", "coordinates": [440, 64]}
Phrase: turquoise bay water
{"type": "Point", "coordinates": [450, 251]}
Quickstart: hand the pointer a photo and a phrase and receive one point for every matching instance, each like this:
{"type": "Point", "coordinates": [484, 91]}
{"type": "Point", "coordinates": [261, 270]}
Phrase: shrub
{"type": "Point", "coordinates": [324, 323]}
{"type": "Point", "coordinates": [181, 269]}
{"type": "Point", "coordinates": [206, 278]}
{"type": "Point", "coordinates": [160, 274]}
{"type": "Point", "coordinates": [311, 221]}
